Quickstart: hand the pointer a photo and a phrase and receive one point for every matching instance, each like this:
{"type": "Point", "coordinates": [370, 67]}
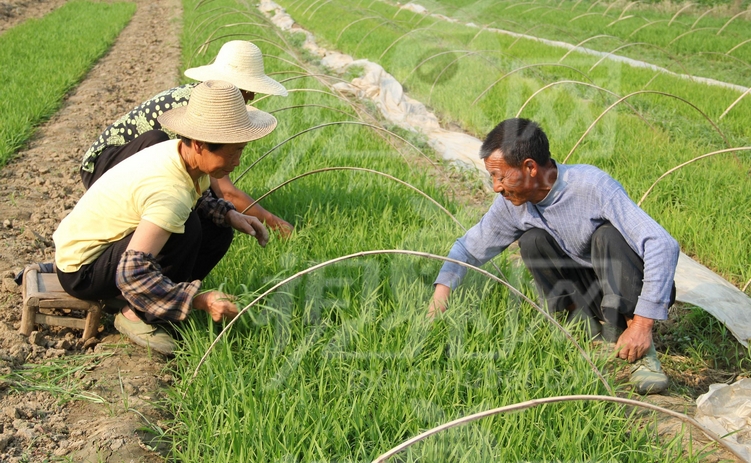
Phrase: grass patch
{"type": "Point", "coordinates": [42, 59]}
{"type": "Point", "coordinates": [340, 364]}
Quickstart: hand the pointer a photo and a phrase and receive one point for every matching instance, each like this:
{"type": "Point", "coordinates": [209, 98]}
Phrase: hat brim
{"type": "Point", "coordinates": [260, 84]}
{"type": "Point", "coordinates": [179, 121]}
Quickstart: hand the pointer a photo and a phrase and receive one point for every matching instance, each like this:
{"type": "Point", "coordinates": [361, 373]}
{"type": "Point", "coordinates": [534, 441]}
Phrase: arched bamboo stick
{"type": "Point", "coordinates": [309, 7]}
{"type": "Point", "coordinates": [584, 15]}
{"type": "Point", "coordinates": [591, 126]}
{"type": "Point", "coordinates": [620, 19]}
{"type": "Point", "coordinates": [738, 46]}
{"type": "Point", "coordinates": [435, 81]}
{"type": "Point", "coordinates": [327, 124]}
{"type": "Point", "coordinates": [403, 36]}
{"type": "Point", "coordinates": [357, 169]}
{"type": "Point", "coordinates": [587, 40]}
{"type": "Point", "coordinates": [726, 56]}
{"type": "Point", "coordinates": [352, 24]}
{"type": "Point", "coordinates": [311, 106]}
{"type": "Point", "coordinates": [561, 31]}
{"type": "Point", "coordinates": [735, 102]}
{"type": "Point", "coordinates": [566, 398]}
{"type": "Point", "coordinates": [632, 44]}
{"type": "Point", "coordinates": [313, 75]}
{"type": "Point", "coordinates": [474, 102]}
{"type": "Point", "coordinates": [729, 150]}
{"type": "Point", "coordinates": [731, 20]}
{"type": "Point", "coordinates": [514, 5]}
{"type": "Point", "coordinates": [387, 21]}
{"type": "Point", "coordinates": [745, 287]}
{"type": "Point", "coordinates": [510, 287]}
{"type": "Point", "coordinates": [689, 32]}
{"type": "Point", "coordinates": [649, 23]}
{"type": "Point", "coordinates": [318, 8]}
{"type": "Point", "coordinates": [685, 7]}
{"type": "Point", "coordinates": [701, 16]}
{"type": "Point", "coordinates": [518, 113]}
{"type": "Point", "coordinates": [195, 28]}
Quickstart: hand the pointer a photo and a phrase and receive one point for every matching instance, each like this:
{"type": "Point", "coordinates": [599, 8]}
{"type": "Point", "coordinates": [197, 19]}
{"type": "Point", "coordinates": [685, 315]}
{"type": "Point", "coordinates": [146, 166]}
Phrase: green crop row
{"type": "Point", "coordinates": [478, 80]}
{"type": "Point", "coordinates": [42, 59]}
{"type": "Point", "coordinates": [709, 41]}
{"type": "Point", "coordinates": [340, 364]}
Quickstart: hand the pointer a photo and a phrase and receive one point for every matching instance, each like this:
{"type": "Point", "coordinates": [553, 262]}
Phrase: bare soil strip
{"type": "Point", "coordinates": [37, 189]}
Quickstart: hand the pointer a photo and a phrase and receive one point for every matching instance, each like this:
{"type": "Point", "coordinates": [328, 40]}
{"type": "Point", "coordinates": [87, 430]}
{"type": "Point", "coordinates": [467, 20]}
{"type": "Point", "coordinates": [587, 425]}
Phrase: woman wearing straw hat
{"type": "Point", "coordinates": [136, 235]}
{"type": "Point", "coordinates": [238, 62]}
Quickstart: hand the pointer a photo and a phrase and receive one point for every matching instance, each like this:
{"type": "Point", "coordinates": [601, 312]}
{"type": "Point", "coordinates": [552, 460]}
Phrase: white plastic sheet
{"type": "Point", "coordinates": [726, 409]}
{"type": "Point", "coordinates": [695, 284]}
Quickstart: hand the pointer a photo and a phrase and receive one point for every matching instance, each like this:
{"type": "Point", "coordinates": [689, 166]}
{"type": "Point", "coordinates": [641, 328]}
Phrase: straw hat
{"type": "Point", "coordinates": [241, 63]}
{"type": "Point", "coordinates": [216, 113]}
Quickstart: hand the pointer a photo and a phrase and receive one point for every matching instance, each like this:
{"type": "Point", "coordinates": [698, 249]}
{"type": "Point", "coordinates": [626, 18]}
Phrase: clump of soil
{"type": "Point", "coordinates": [122, 383]}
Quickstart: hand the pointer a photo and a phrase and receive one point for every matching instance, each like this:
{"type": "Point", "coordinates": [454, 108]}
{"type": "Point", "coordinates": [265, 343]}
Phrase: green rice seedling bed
{"type": "Point", "coordinates": [340, 364]}
{"type": "Point", "coordinates": [709, 41]}
{"type": "Point", "coordinates": [453, 69]}
{"type": "Point", "coordinates": [42, 59]}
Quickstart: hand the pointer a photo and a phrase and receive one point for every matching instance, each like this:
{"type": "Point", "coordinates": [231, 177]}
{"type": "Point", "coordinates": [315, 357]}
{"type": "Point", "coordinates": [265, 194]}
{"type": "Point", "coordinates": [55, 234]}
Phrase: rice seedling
{"type": "Point", "coordinates": [333, 358]}
{"type": "Point", "coordinates": [42, 59]}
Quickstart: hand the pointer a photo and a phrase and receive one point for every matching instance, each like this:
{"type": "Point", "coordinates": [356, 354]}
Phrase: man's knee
{"type": "Point", "coordinates": [533, 242]}
{"type": "Point", "coordinates": [607, 235]}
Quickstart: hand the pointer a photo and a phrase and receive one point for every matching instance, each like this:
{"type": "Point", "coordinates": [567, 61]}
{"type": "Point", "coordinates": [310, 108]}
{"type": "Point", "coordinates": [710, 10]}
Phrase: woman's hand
{"type": "Point", "coordinates": [217, 304]}
{"type": "Point", "coordinates": [249, 225]}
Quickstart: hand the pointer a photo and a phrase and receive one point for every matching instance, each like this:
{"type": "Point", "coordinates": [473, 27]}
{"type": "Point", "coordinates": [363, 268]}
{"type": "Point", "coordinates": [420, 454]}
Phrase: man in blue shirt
{"type": "Point", "coordinates": [591, 250]}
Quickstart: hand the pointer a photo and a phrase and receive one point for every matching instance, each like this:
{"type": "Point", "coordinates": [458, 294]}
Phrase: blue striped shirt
{"type": "Point", "coordinates": [582, 198]}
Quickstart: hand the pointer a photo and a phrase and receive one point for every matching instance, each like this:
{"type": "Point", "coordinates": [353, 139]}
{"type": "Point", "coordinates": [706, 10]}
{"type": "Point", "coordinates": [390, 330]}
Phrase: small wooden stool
{"type": "Point", "coordinates": [43, 291]}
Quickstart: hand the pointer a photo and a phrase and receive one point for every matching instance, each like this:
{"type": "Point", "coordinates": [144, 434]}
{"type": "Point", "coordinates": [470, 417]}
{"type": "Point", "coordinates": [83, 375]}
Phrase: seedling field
{"type": "Point", "coordinates": [340, 364]}
{"type": "Point", "coordinates": [40, 60]}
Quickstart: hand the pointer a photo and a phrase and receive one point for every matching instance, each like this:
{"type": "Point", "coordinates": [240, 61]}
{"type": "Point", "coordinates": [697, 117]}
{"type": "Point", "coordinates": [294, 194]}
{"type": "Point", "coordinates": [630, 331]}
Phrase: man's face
{"type": "Point", "coordinates": [221, 162]}
{"type": "Point", "coordinates": [517, 184]}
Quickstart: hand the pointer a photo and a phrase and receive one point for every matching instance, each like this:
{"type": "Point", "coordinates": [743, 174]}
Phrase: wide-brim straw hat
{"type": "Point", "coordinates": [216, 113]}
{"type": "Point", "coordinates": [241, 63]}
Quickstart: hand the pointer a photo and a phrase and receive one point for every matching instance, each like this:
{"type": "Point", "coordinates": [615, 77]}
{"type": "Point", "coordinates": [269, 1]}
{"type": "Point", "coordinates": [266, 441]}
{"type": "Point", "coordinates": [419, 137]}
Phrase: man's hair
{"type": "Point", "coordinates": [213, 147]}
{"type": "Point", "coordinates": [517, 139]}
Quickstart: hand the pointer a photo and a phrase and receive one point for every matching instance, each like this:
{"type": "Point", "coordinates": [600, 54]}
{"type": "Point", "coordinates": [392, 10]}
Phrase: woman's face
{"type": "Point", "coordinates": [221, 162]}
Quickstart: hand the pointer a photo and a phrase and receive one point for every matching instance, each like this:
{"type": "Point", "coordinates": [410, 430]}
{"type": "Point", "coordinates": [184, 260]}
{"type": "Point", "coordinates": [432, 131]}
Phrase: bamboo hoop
{"type": "Point", "coordinates": [748, 90]}
{"type": "Point", "coordinates": [729, 150]}
{"type": "Point", "coordinates": [582, 16]}
{"type": "Point", "coordinates": [352, 23]}
{"type": "Point", "coordinates": [701, 16]}
{"type": "Point", "coordinates": [318, 8]}
{"type": "Point", "coordinates": [689, 32]}
{"type": "Point", "coordinates": [356, 169]}
{"type": "Point", "coordinates": [326, 125]}
{"type": "Point", "coordinates": [737, 46]}
{"type": "Point", "coordinates": [547, 400]}
{"type": "Point", "coordinates": [731, 20]}
{"type": "Point", "coordinates": [421, 29]}
{"type": "Point", "coordinates": [685, 7]}
{"type": "Point", "coordinates": [632, 44]}
{"type": "Point", "coordinates": [585, 41]}
{"type": "Point", "coordinates": [649, 23]}
{"type": "Point", "coordinates": [562, 31]}
{"type": "Point", "coordinates": [745, 287]}
{"type": "Point", "coordinates": [518, 113]}
{"type": "Point", "coordinates": [620, 19]}
{"type": "Point", "coordinates": [510, 287]}
{"type": "Point", "coordinates": [474, 102]}
{"type": "Point", "coordinates": [638, 93]}
{"type": "Point", "coordinates": [473, 53]}
{"type": "Point", "coordinates": [311, 106]}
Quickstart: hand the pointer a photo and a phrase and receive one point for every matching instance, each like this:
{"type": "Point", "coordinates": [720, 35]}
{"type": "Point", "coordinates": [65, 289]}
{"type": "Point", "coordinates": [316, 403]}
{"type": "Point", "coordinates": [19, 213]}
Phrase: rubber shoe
{"type": "Point", "coordinates": [647, 375]}
{"type": "Point", "coordinates": [145, 335]}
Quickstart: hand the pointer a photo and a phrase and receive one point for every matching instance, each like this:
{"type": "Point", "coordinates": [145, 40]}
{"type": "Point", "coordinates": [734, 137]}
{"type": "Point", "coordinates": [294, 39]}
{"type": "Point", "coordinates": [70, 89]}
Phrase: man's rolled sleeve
{"type": "Point", "coordinates": [488, 238]}
{"type": "Point", "coordinates": [142, 283]}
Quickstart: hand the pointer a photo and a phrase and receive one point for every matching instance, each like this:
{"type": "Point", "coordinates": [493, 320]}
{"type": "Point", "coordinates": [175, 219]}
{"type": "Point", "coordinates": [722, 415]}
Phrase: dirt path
{"type": "Point", "coordinates": [36, 191]}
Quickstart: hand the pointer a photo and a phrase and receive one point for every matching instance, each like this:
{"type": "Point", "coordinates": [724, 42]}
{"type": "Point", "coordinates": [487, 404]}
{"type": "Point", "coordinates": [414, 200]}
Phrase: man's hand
{"type": "Point", "coordinates": [217, 304]}
{"type": "Point", "coordinates": [440, 297]}
{"type": "Point", "coordinates": [249, 225]}
{"type": "Point", "coordinates": [634, 342]}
